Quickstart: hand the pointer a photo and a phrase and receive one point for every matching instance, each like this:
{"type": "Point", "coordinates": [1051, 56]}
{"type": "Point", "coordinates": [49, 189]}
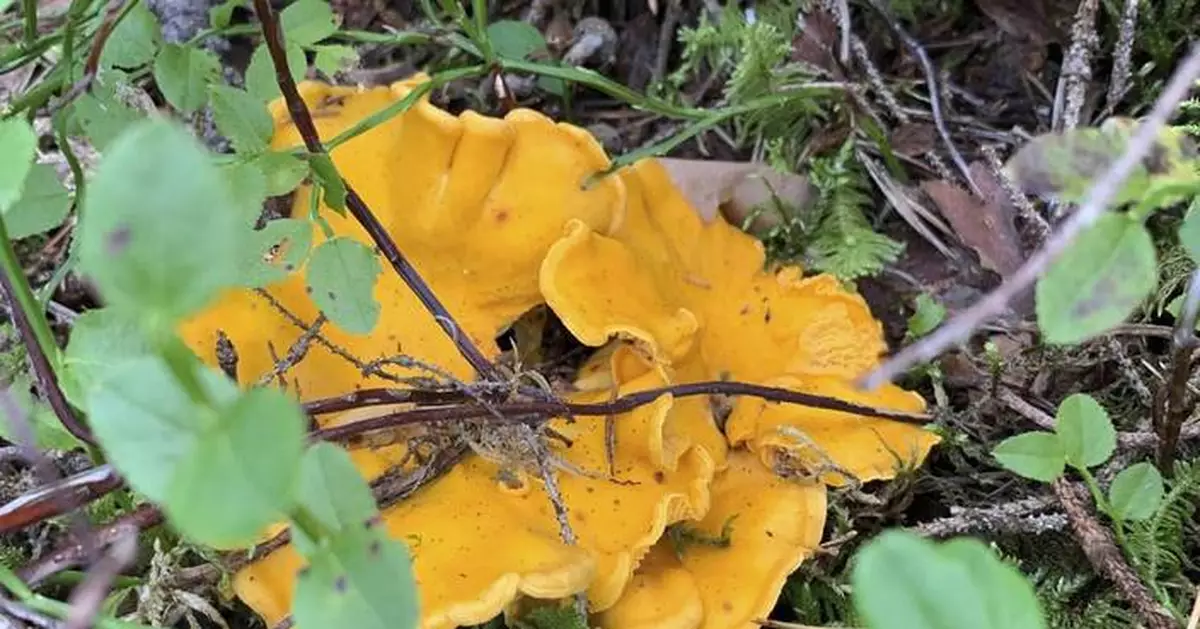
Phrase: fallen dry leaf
{"type": "Point", "coordinates": [817, 42]}
{"type": "Point", "coordinates": [735, 189]}
{"type": "Point", "coordinates": [1022, 18]}
{"type": "Point", "coordinates": [914, 139]}
{"type": "Point", "coordinates": [984, 225]}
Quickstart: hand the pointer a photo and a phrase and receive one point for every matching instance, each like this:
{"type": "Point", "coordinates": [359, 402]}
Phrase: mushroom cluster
{"type": "Point", "coordinates": [495, 215]}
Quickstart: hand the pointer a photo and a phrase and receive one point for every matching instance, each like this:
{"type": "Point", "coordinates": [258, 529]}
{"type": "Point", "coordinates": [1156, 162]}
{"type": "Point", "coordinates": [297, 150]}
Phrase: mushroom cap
{"type": "Point", "coordinates": [473, 202]}
{"type": "Point", "coordinates": [774, 525]}
{"type": "Point", "coordinates": [695, 296]}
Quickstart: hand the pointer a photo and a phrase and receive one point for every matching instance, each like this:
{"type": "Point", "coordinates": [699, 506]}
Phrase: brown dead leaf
{"type": "Point", "coordinates": [816, 42]}
{"type": "Point", "coordinates": [914, 139]}
{"type": "Point", "coordinates": [985, 225]}
{"type": "Point", "coordinates": [735, 189]}
{"type": "Point", "coordinates": [1022, 18]}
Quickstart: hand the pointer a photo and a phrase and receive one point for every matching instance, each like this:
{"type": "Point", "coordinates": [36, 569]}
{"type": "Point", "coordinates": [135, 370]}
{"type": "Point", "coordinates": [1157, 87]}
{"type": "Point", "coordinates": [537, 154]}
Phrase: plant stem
{"type": "Point", "coordinates": [30, 319]}
{"type": "Point", "coordinates": [308, 524]}
{"type": "Point", "coordinates": [29, 12]}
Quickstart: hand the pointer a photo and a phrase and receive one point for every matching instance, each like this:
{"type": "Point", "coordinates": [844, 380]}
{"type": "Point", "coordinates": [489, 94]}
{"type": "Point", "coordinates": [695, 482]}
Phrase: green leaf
{"type": "Point", "coordinates": [901, 581]}
{"type": "Point", "coordinates": [48, 431]}
{"type": "Point", "coordinates": [1037, 455]}
{"type": "Point", "coordinates": [161, 228]}
{"type": "Point", "coordinates": [101, 114]}
{"type": "Point", "coordinates": [1085, 431]}
{"type": "Point", "coordinates": [222, 473]}
{"type": "Point", "coordinates": [359, 578]}
{"type": "Point", "coordinates": [240, 475]}
{"type": "Point", "coordinates": [515, 39]}
{"type": "Point", "coordinates": [43, 207]}
{"type": "Point", "coordinates": [248, 185]}
{"type": "Point", "coordinates": [100, 340]}
{"type": "Point", "coordinates": [260, 74]}
{"type": "Point", "coordinates": [1065, 165]}
{"type": "Point", "coordinates": [279, 248]}
{"type": "Point", "coordinates": [242, 118]}
{"type": "Point", "coordinates": [1189, 231]}
{"type": "Point", "coordinates": [334, 492]}
{"type": "Point", "coordinates": [18, 144]}
{"type": "Point", "coordinates": [341, 280]}
{"type": "Point", "coordinates": [283, 171]}
{"type": "Point", "coordinates": [134, 41]}
{"type": "Point", "coordinates": [221, 15]}
{"type": "Point", "coordinates": [1098, 281]}
{"type": "Point", "coordinates": [333, 188]}
{"type": "Point", "coordinates": [334, 58]}
{"type": "Point", "coordinates": [927, 316]}
{"type": "Point", "coordinates": [306, 22]}
{"type": "Point", "coordinates": [147, 424]}
{"type": "Point", "coordinates": [183, 74]}
{"type": "Point", "coordinates": [1136, 492]}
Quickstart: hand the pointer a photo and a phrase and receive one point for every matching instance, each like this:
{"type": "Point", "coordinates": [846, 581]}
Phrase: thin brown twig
{"type": "Point", "coordinates": [57, 498]}
{"type": "Point", "coordinates": [73, 553]}
{"type": "Point", "coordinates": [20, 425]}
{"type": "Point", "coordinates": [88, 597]}
{"type": "Point", "coordinates": [525, 412]}
{"type": "Point", "coordinates": [91, 65]}
{"type": "Point", "coordinates": [375, 397]}
{"type": "Point", "coordinates": [302, 118]}
{"type": "Point", "coordinates": [1106, 558]}
{"type": "Point", "coordinates": [43, 373]}
{"type": "Point", "coordinates": [1118, 82]}
{"type": "Point", "coordinates": [960, 327]}
{"type": "Point", "coordinates": [1173, 404]}
{"type": "Point", "coordinates": [1077, 66]}
{"type": "Point", "coordinates": [935, 101]}
{"type": "Point", "coordinates": [295, 353]}
{"type": "Point", "coordinates": [54, 499]}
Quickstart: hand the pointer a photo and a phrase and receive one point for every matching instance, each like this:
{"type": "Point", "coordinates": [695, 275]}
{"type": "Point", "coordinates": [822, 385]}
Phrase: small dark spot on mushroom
{"type": "Point", "coordinates": [591, 490]}
{"type": "Point", "coordinates": [308, 290]}
{"type": "Point", "coordinates": [745, 310]}
{"type": "Point", "coordinates": [770, 534]}
{"type": "Point", "coordinates": [767, 316]}
{"type": "Point", "coordinates": [659, 477]}
{"type": "Point", "coordinates": [119, 239]}
{"type": "Point", "coordinates": [726, 606]}
{"type": "Point", "coordinates": [501, 216]}
{"type": "Point", "coordinates": [340, 584]}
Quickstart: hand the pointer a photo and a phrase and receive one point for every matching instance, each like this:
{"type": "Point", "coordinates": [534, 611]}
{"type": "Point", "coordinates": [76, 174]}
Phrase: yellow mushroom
{"type": "Point", "coordinates": [696, 297]}
{"type": "Point", "coordinates": [493, 214]}
{"type": "Point", "coordinates": [473, 202]}
{"type": "Point", "coordinates": [758, 530]}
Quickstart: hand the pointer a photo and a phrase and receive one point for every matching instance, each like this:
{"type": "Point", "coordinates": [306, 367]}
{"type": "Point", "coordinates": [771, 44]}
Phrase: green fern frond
{"type": "Point", "coordinates": [844, 243]}
{"type": "Point", "coordinates": [1157, 545]}
{"type": "Point", "coordinates": [551, 617]}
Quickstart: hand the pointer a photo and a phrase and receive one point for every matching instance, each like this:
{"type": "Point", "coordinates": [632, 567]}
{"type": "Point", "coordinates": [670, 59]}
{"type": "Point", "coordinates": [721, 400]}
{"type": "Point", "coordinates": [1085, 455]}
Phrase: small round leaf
{"type": "Point", "coordinates": [1036, 455]}
{"type": "Point", "coordinates": [1087, 434]}
{"type": "Point", "coordinates": [1136, 492]}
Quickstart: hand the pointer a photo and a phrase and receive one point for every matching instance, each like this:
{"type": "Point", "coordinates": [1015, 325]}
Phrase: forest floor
{"type": "Point", "coordinates": [920, 220]}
